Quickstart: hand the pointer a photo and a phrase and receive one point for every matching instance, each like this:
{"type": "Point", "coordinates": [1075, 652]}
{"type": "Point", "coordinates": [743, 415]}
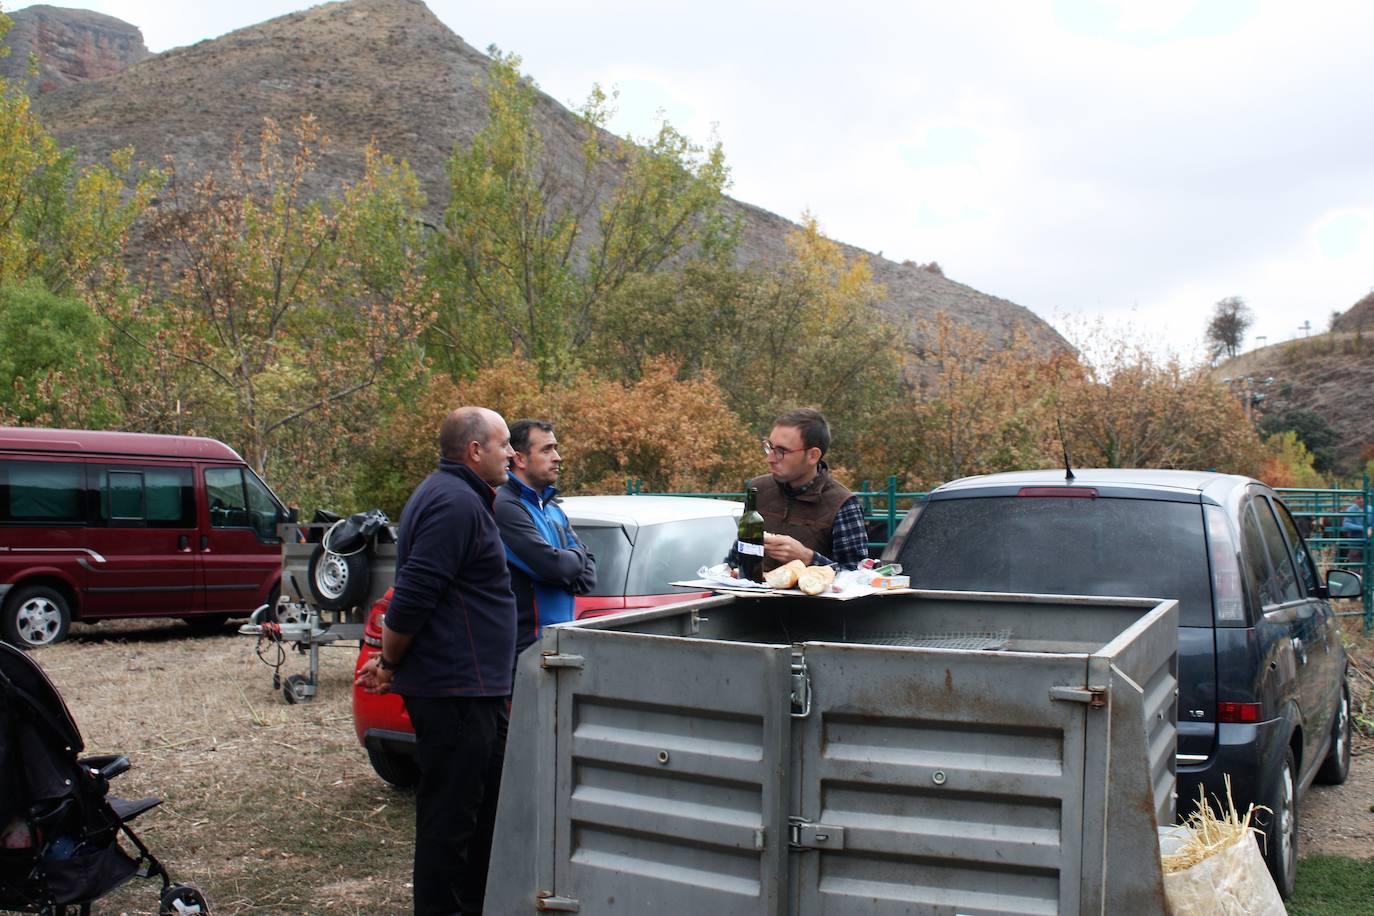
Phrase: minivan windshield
{"type": "Point", "coordinates": [1061, 546]}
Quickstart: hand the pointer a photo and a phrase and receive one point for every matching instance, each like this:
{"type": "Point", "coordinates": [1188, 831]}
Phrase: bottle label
{"type": "Point", "coordinates": [745, 548]}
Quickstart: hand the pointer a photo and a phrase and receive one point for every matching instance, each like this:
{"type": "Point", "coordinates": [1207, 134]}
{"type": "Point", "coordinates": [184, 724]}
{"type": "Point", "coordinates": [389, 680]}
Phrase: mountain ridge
{"type": "Point", "coordinates": [390, 70]}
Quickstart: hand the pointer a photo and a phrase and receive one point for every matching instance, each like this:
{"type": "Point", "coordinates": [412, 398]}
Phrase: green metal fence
{"type": "Point", "coordinates": [1326, 517]}
{"type": "Point", "coordinates": [1319, 512]}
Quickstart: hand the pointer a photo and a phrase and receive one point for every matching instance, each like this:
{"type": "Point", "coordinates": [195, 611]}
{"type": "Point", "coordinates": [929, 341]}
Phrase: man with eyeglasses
{"type": "Point", "coordinates": [807, 514]}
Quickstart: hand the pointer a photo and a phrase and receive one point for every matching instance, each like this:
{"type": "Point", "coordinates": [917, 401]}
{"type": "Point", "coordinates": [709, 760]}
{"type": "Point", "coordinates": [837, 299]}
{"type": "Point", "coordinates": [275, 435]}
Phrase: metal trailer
{"type": "Point", "coordinates": [300, 620]}
{"type": "Point", "coordinates": [931, 752]}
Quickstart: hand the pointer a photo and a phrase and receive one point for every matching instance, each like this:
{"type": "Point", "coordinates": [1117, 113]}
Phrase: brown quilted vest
{"type": "Point", "coordinates": [807, 516]}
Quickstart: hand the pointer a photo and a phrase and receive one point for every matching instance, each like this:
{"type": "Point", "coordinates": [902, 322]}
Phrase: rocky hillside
{"type": "Point", "coordinates": [1329, 374]}
{"type": "Point", "coordinates": [390, 70]}
{"type": "Point", "coordinates": [71, 46]}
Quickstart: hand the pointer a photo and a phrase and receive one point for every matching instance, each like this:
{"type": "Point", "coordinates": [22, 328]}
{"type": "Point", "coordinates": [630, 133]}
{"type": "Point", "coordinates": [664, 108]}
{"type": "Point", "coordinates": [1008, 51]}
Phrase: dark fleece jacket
{"type": "Point", "coordinates": [453, 593]}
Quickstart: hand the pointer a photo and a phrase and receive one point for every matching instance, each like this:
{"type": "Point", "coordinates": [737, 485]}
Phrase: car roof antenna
{"type": "Point", "coordinates": [1064, 444]}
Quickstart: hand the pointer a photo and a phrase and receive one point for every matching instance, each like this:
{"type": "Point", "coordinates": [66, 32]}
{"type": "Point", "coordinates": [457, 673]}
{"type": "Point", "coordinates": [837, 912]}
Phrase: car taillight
{"type": "Point", "coordinates": [1227, 593]}
{"type": "Point", "coordinates": [372, 630]}
{"type": "Point", "coordinates": [1240, 712]}
{"type": "Point", "coordinates": [1061, 492]}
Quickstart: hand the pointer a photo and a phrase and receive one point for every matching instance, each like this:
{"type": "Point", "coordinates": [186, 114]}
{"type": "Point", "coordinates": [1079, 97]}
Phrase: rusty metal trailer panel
{"type": "Point", "coordinates": [935, 752]}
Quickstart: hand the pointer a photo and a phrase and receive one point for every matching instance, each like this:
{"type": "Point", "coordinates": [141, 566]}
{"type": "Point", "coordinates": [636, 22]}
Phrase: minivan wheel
{"type": "Point", "coordinates": [1336, 767]}
{"type": "Point", "coordinates": [35, 615]}
{"type": "Point", "coordinates": [1279, 843]}
{"type": "Point", "coordinates": [338, 582]}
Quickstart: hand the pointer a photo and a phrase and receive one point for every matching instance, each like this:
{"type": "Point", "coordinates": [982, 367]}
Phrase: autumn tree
{"type": "Point", "coordinates": [275, 317]}
{"type": "Point", "coordinates": [1133, 409]}
{"type": "Point", "coordinates": [973, 408]}
{"type": "Point", "coordinates": [808, 331]}
{"type": "Point", "coordinates": [1231, 318]}
{"type": "Point", "coordinates": [535, 240]}
{"type": "Point", "coordinates": [667, 432]}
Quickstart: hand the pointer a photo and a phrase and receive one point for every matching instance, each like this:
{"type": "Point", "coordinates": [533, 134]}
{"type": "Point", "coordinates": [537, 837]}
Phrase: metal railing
{"type": "Point", "coordinates": [1326, 517]}
{"type": "Point", "coordinates": [1321, 512]}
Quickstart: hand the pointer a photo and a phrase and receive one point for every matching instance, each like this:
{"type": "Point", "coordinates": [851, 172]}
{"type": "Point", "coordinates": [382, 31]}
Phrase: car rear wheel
{"type": "Point", "coordinates": [1280, 826]}
{"type": "Point", "coordinates": [1336, 767]}
{"type": "Point", "coordinates": [35, 616]}
{"type": "Point", "coordinates": [398, 769]}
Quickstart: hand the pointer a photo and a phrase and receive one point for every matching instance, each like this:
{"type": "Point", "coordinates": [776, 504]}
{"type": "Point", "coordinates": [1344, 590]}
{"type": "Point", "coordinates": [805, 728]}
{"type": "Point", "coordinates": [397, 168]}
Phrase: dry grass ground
{"type": "Point", "coordinates": [273, 808]}
{"type": "Point", "coordinates": [269, 808]}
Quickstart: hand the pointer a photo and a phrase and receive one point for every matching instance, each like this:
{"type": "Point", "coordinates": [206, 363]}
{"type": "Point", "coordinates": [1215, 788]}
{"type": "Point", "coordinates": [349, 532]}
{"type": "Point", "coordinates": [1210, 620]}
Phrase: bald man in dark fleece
{"type": "Point", "coordinates": [448, 648]}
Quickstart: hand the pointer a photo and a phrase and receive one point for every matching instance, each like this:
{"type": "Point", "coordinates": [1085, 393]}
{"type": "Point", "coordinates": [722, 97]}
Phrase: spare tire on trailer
{"type": "Point", "coordinates": [338, 581]}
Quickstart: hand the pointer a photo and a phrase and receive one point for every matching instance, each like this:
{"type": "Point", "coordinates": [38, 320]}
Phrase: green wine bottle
{"type": "Point", "coordinates": [749, 546]}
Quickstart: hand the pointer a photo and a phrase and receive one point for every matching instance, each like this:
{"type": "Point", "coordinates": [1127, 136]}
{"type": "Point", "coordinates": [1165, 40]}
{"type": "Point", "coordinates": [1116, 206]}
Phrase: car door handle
{"type": "Point", "coordinates": [205, 543]}
{"type": "Point", "coordinates": [184, 543]}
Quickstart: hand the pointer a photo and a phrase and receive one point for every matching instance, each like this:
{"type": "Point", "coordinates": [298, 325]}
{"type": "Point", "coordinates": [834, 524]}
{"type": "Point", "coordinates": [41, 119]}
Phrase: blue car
{"type": "Point", "coordinates": [1263, 695]}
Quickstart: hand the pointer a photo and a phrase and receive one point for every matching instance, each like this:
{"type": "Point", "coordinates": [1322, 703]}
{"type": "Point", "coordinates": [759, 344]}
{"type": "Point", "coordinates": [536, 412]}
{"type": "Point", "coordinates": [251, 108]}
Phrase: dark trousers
{"type": "Point", "coordinates": [460, 743]}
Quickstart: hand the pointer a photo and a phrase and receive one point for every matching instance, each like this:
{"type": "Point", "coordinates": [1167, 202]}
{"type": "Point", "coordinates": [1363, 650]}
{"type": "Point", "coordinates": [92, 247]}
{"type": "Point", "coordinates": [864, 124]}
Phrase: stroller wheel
{"type": "Point", "coordinates": [181, 899]}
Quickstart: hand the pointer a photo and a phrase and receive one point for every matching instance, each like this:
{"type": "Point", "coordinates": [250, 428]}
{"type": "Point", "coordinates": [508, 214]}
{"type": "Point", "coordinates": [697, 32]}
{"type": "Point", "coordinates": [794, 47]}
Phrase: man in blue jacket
{"type": "Point", "coordinates": [549, 566]}
{"type": "Point", "coordinates": [448, 648]}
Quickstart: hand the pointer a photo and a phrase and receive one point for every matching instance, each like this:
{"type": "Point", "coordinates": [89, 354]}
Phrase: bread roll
{"type": "Point", "coordinates": [784, 576]}
{"type": "Point", "coordinates": [816, 579]}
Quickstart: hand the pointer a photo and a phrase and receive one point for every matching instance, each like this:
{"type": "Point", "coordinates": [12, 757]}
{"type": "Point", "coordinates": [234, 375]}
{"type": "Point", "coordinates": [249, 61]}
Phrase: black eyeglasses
{"type": "Point", "coordinates": [769, 449]}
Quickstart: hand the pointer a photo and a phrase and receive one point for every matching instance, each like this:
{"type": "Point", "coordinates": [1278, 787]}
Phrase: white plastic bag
{"type": "Point", "coordinates": [1231, 882]}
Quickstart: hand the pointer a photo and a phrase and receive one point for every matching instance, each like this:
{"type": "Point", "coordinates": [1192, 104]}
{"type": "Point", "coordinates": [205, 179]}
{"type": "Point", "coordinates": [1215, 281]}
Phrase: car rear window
{"type": "Point", "coordinates": [1103, 546]}
{"type": "Point", "coordinates": [611, 548]}
{"type": "Point", "coordinates": [673, 551]}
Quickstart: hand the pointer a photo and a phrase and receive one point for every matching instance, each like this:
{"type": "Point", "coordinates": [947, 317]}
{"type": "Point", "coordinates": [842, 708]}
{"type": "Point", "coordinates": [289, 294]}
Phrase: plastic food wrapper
{"type": "Point", "coordinates": [720, 574]}
{"type": "Point", "coordinates": [1233, 881]}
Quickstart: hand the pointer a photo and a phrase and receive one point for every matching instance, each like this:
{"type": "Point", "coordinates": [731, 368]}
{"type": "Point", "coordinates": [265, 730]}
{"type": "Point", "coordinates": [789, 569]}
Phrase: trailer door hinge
{"type": "Point", "coordinates": [552, 904]}
{"type": "Point", "coordinates": [1095, 697]}
{"type": "Point", "coordinates": [804, 834]}
{"type": "Point", "coordinates": [801, 688]}
{"type": "Point", "coordinates": [561, 661]}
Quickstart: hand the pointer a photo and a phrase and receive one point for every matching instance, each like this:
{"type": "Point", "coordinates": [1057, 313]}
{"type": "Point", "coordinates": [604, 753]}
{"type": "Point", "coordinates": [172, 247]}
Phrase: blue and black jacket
{"type": "Point", "coordinates": [548, 564]}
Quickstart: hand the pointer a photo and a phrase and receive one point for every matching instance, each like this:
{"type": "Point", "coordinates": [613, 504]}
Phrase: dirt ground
{"type": "Point", "coordinates": [1339, 820]}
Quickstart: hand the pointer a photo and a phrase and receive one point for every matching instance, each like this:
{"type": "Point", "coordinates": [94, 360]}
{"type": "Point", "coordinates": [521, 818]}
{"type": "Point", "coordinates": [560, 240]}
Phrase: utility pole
{"type": "Point", "coordinates": [1305, 327]}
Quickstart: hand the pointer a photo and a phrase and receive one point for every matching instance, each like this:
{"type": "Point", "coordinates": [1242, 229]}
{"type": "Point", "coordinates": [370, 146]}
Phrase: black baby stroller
{"type": "Point", "coordinates": [59, 828]}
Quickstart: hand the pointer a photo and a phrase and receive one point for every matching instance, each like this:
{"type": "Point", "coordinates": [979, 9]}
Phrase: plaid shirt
{"type": "Point", "coordinates": [848, 537]}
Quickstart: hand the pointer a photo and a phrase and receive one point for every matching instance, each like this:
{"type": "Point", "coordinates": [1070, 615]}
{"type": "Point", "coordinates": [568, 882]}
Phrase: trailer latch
{"type": "Point", "coordinates": [804, 834]}
{"type": "Point", "coordinates": [1095, 697]}
{"type": "Point", "coordinates": [561, 661]}
{"type": "Point", "coordinates": [552, 904]}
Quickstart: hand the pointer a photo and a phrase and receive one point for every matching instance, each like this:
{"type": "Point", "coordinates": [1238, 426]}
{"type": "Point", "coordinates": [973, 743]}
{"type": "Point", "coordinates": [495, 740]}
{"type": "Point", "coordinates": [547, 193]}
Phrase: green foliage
{"type": "Point", "coordinates": [51, 359]}
{"type": "Point", "coordinates": [532, 247]}
{"type": "Point", "coordinates": [282, 315]}
{"type": "Point", "coordinates": [1312, 429]}
{"type": "Point", "coordinates": [807, 332]}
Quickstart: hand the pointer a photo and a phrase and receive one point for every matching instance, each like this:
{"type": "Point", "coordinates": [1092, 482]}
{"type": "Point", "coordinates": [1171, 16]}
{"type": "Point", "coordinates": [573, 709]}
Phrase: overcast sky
{"type": "Point", "coordinates": [1135, 161]}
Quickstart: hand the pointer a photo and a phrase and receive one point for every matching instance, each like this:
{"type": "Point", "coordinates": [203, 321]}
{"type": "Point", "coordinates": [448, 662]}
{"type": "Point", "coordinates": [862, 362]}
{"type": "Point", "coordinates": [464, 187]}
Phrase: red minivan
{"type": "Point", "coordinates": [96, 525]}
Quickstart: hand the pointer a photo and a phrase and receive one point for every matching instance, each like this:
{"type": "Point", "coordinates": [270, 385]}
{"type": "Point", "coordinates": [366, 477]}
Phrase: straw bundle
{"type": "Point", "coordinates": [1207, 833]}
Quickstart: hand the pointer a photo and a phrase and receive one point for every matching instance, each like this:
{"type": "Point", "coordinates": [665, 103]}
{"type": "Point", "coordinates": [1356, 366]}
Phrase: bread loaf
{"type": "Point", "coordinates": [784, 576]}
{"type": "Point", "coordinates": [816, 579]}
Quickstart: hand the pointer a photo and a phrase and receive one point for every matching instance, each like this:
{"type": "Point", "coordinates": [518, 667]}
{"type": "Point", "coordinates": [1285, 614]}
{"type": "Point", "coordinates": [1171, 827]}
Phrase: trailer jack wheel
{"type": "Point", "coordinates": [298, 689]}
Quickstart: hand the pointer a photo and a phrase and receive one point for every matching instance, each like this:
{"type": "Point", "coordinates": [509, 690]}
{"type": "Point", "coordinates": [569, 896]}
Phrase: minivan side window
{"type": "Point", "coordinates": [1306, 571]}
{"type": "Point", "coordinates": [1276, 579]}
{"type": "Point", "coordinates": [42, 491]}
{"type": "Point", "coordinates": [239, 500]}
{"type": "Point", "coordinates": [152, 497]}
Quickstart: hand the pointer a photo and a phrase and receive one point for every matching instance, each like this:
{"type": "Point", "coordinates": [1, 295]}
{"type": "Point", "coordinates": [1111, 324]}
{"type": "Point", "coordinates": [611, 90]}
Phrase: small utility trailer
{"type": "Point", "coordinates": [325, 598]}
{"type": "Point", "coordinates": [924, 753]}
